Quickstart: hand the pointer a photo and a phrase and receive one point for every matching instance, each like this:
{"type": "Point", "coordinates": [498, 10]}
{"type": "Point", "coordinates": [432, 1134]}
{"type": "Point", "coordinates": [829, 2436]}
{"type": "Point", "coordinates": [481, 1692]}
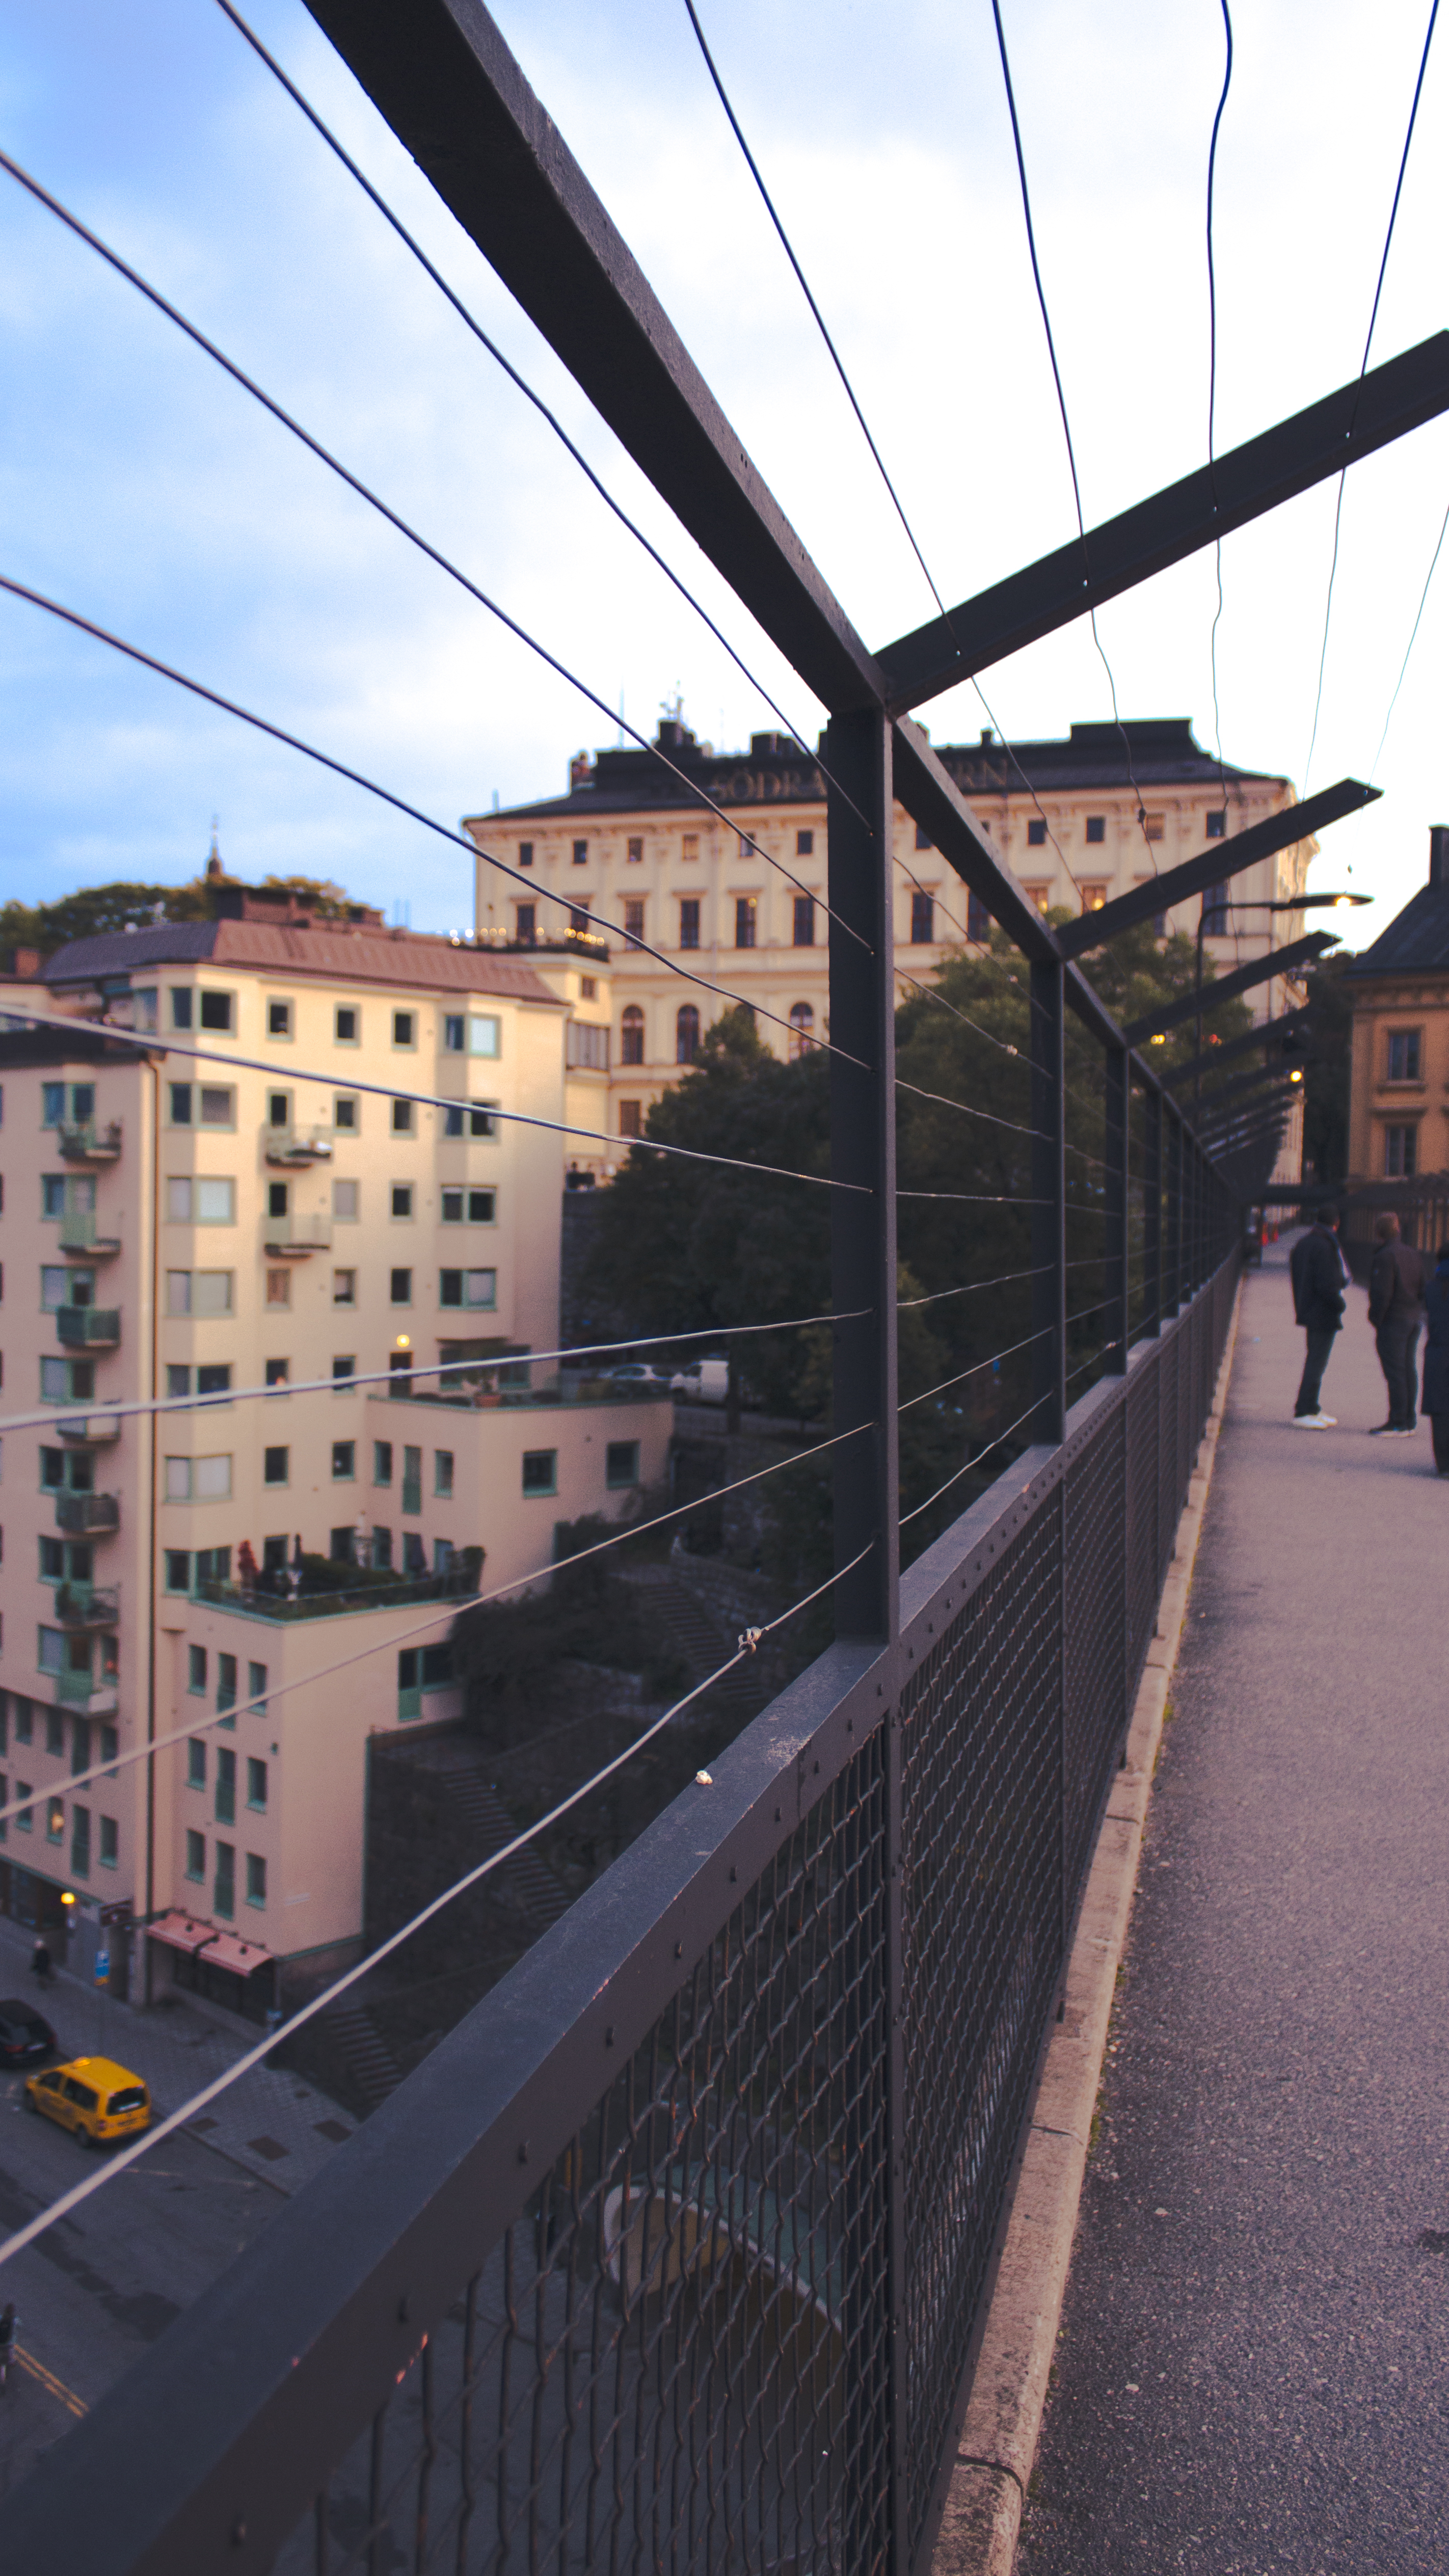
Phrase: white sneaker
{"type": "Point", "coordinates": [1328, 1421]}
{"type": "Point", "coordinates": [1313, 1421]}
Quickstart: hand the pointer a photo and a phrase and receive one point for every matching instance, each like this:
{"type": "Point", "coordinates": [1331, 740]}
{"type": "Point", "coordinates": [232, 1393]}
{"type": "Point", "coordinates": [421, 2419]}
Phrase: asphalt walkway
{"type": "Point", "coordinates": [1253, 2371]}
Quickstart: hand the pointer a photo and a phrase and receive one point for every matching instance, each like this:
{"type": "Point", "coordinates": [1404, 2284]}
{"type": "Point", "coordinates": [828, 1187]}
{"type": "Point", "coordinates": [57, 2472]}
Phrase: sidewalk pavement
{"type": "Point", "coordinates": [1252, 2364]}
{"type": "Point", "coordinates": [270, 2121]}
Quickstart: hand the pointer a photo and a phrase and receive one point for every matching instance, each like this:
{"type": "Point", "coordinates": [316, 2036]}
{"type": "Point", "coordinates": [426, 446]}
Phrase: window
{"type": "Point", "coordinates": [278, 1372]}
{"type": "Point", "coordinates": [635, 852]}
{"type": "Point", "coordinates": [540, 1471]}
{"type": "Point", "coordinates": [689, 846]}
{"type": "Point", "coordinates": [923, 920]}
{"type": "Point", "coordinates": [277, 1200]}
{"type": "Point", "coordinates": [178, 1569]}
{"type": "Point", "coordinates": [213, 1565]}
{"type": "Point", "coordinates": [467, 1287]}
{"type": "Point", "coordinates": [224, 1884]}
{"type": "Point", "coordinates": [479, 1120]}
{"type": "Point", "coordinates": [402, 1118]}
{"type": "Point", "coordinates": [346, 1114]}
{"type": "Point", "coordinates": [54, 1721]}
{"type": "Point", "coordinates": [1401, 1152]}
{"type": "Point", "coordinates": [689, 921]}
{"type": "Point", "coordinates": [475, 1207]}
{"type": "Point", "coordinates": [1217, 825]}
{"type": "Point", "coordinates": [225, 1785]}
{"type": "Point", "coordinates": [621, 1464]}
{"type": "Point", "coordinates": [382, 1462]}
{"type": "Point", "coordinates": [404, 1028]}
{"type": "Point", "coordinates": [804, 845]}
{"type": "Point", "coordinates": [180, 1106]}
{"type": "Point", "coordinates": [25, 1821]}
{"type": "Point", "coordinates": [1215, 912]}
{"type": "Point", "coordinates": [382, 1550]}
{"type": "Point", "coordinates": [525, 923]}
{"type": "Point", "coordinates": [274, 1466]}
{"type": "Point", "coordinates": [1040, 895]}
{"type": "Point", "coordinates": [525, 854]}
{"type": "Point", "coordinates": [581, 853]}
{"type": "Point", "coordinates": [1093, 897]}
{"type": "Point", "coordinates": [344, 1461]}
{"type": "Point", "coordinates": [180, 1007]}
{"type": "Point", "coordinates": [402, 1198]}
{"type": "Point", "coordinates": [1404, 1055]}
{"type": "Point", "coordinates": [686, 1034]}
{"type": "Point", "coordinates": [201, 1202]}
{"type": "Point", "coordinates": [400, 1288]}
{"type": "Point", "coordinates": [55, 1288]}
{"type": "Point", "coordinates": [24, 1720]}
{"type": "Point", "coordinates": [804, 921]}
{"type": "Point", "coordinates": [629, 1125]}
{"type": "Point", "coordinates": [80, 1842]}
{"type": "Point", "coordinates": [214, 1379]}
{"type": "Point", "coordinates": [55, 1820]}
{"type": "Point", "coordinates": [195, 1855]}
{"type": "Point", "coordinates": [344, 1367]}
{"type": "Point", "coordinates": [218, 1105]}
{"type": "Point", "coordinates": [199, 1480]}
{"type": "Point", "coordinates": [196, 1673]}
{"type": "Point", "coordinates": [52, 1194]}
{"type": "Point", "coordinates": [923, 837]}
{"type": "Point", "coordinates": [631, 1036]}
{"type": "Point", "coordinates": [1036, 832]}
{"type": "Point", "coordinates": [344, 1202]}
{"type": "Point", "coordinates": [279, 1288]}
{"type": "Point", "coordinates": [226, 1681]}
{"type": "Point", "coordinates": [443, 1473]}
{"type": "Point", "coordinates": [1096, 827]}
{"type": "Point", "coordinates": [634, 917]}
{"type": "Point", "coordinates": [579, 917]}
{"type": "Point", "coordinates": [485, 1035]}
{"type": "Point", "coordinates": [344, 1287]}
{"type": "Point", "coordinates": [1155, 826]}
{"type": "Point", "coordinates": [746, 916]}
{"type": "Point", "coordinates": [257, 1688]}
{"type": "Point", "coordinates": [110, 1850]}
{"type": "Point", "coordinates": [802, 1030]}
{"type": "Point", "coordinates": [279, 1108]}
{"type": "Point", "coordinates": [279, 1019]}
{"type": "Point", "coordinates": [199, 1292]}
{"type": "Point", "coordinates": [978, 919]}
{"type": "Point", "coordinates": [256, 1879]}
{"type": "Point", "coordinates": [346, 1024]}
{"type": "Point", "coordinates": [216, 1010]}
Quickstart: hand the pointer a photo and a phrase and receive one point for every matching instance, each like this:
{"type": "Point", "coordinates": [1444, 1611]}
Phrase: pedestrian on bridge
{"type": "Point", "coordinates": [1319, 1274]}
{"type": "Point", "coordinates": [1436, 1359]}
{"type": "Point", "coordinates": [1396, 1312]}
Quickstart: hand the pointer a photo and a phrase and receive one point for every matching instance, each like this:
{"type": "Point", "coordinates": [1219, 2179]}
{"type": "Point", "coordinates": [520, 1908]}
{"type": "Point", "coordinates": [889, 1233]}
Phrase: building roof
{"type": "Point", "coordinates": [776, 771]}
{"type": "Point", "coordinates": [344, 956]}
{"type": "Point", "coordinates": [1416, 941]}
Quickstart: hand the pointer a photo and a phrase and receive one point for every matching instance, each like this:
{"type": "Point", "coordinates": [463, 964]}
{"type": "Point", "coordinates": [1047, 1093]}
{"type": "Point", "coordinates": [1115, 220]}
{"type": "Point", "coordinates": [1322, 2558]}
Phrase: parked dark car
{"type": "Point", "coordinates": [24, 2035]}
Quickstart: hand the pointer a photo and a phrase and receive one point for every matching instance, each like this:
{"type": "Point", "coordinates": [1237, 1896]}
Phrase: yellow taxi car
{"type": "Point", "coordinates": [92, 2096]}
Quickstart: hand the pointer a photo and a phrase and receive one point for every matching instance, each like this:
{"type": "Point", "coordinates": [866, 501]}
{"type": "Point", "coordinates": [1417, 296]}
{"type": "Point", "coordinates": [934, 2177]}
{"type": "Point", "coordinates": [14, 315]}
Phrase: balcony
{"type": "Point", "coordinates": [80, 1236]}
{"type": "Point", "coordinates": [88, 1328]}
{"type": "Point", "coordinates": [88, 1515]}
{"type": "Point", "coordinates": [82, 1691]}
{"type": "Point", "coordinates": [357, 1591]}
{"type": "Point", "coordinates": [87, 1605]}
{"type": "Point", "coordinates": [294, 1148]}
{"type": "Point", "coordinates": [292, 1238]}
{"type": "Point", "coordinates": [89, 1143]}
{"type": "Point", "coordinates": [89, 1430]}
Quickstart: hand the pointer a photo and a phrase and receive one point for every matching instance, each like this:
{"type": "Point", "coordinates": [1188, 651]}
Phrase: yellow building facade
{"type": "Point", "coordinates": [1399, 1084]}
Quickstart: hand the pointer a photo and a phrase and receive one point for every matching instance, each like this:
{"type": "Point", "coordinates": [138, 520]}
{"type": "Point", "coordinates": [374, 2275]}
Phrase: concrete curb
{"type": "Point", "coordinates": [998, 2440]}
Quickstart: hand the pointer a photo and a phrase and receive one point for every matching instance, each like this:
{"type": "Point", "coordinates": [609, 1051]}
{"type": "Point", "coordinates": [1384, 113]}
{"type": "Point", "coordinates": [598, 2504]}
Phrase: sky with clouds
{"type": "Point", "coordinates": [141, 487]}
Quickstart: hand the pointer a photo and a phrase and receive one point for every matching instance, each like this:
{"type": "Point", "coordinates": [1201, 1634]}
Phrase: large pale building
{"type": "Point", "coordinates": [270, 1211]}
{"type": "Point", "coordinates": [632, 852]}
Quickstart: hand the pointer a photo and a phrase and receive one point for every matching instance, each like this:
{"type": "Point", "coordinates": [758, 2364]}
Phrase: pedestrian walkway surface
{"type": "Point", "coordinates": [1254, 2361]}
{"type": "Point", "coordinates": [271, 2121]}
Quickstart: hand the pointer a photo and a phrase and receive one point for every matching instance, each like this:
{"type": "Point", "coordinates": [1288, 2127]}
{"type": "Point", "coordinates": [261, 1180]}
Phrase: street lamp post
{"type": "Point", "coordinates": [1280, 903]}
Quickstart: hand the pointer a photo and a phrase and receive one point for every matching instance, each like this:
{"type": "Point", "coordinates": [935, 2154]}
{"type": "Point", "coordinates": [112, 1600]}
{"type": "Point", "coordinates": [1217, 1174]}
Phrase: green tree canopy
{"type": "Point", "coordinates": [93, 910]}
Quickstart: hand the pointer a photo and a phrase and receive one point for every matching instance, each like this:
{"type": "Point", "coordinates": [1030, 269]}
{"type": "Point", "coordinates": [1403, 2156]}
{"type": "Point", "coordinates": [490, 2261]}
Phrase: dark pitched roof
{"type": "Point", "coordinates": [340, 954]}
{"type": "Point", "coordinates": [121, 952]}
{"type": "Point", "coordinates": [1416, 940]}
{"type": "Point", "coordinates": [775, 771]}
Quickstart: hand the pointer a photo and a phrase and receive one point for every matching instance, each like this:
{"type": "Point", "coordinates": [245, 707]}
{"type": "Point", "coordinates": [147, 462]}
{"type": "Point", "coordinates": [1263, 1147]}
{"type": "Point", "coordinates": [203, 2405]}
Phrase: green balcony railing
{"type": "Point", "coordinates": [87, 1515]}
{"type": "Point", "coordinates": [87, 1605]}
{"type": "Point", "coordinates": [89, 1143]}
{"type": "Point", "coordinates": [80, 1232]}
{"type": "Point", "coordinates": [82, 1328]}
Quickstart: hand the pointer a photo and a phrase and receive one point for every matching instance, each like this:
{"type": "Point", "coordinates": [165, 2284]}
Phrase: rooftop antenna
{"type": "Point", "coordinates": [214, 867]}
{"type": "Point", "coordinates": [619, 745]}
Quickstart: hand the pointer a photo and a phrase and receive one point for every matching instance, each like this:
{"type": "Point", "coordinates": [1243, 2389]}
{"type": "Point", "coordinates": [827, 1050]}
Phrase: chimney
{"type": "Point", "coordinates": [581, 770]}
{"type": "Point", "coordinates": [1439, 854]}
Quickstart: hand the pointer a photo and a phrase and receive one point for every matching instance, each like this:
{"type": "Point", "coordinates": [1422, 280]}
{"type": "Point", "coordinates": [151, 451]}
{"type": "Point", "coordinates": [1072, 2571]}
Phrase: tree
{"type": "Point", "coordinates": [93, 910]}
{"type": "Point", "coordinates": [1327, 1064]}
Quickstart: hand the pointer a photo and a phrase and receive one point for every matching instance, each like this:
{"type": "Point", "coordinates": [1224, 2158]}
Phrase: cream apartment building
{"type": "Point", "coordinates": [630, 850]}
{"type": "Point", "coordinates": [271, 1212]}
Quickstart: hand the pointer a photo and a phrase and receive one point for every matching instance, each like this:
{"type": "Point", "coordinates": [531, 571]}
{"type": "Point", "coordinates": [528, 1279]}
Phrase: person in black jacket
{"type": "Point", "coordinates": [1396, 1311]}
{"type": "Point", "coordinates": [1436, 1359]}
{"type": "Point", "coordinates": [1316, 1268]}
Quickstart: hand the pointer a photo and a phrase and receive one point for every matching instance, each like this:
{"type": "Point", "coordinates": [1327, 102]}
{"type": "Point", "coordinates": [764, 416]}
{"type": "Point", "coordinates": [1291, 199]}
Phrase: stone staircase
{"type": "Point", "coordinates": [370, 2063]}
{"type": "Point", "coordinates": [698, 1637]}
{"type": "Point", "coordinates": [527, 1879]}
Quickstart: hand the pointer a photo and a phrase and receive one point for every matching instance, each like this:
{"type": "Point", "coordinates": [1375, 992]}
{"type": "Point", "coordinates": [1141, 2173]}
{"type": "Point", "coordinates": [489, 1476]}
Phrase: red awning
{"type": "Point", "coordinates": [181, 1931]}
{"type": "Point", "coordinates": [224, 1950]}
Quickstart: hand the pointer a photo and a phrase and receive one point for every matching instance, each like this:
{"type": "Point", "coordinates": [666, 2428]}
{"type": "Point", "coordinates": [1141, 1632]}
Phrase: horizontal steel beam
{"type": "Point", "coordinates": [1226, 988]}
{"type": "Point", "coordinates": [1353, 422]}
{"type": "Point", "coordinates": [1239, 1083]}
{"type": "Point", "coordinates": [1267, 1033]}
{"type": "Point", "coordinates": [1216, 866]}
{"type": "Point", "coordinates": [442, 76]}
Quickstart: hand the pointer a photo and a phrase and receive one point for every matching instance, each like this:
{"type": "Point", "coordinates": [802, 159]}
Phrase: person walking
{"type": "Point", "coordinates": [1319, 1274]}
{"type": "Point", "coordinates": [40, 1962]}
{"type": "Point", "coordinates": [1436, 1359]}
{"type": "Point", "coordinates": [1396, 1312]}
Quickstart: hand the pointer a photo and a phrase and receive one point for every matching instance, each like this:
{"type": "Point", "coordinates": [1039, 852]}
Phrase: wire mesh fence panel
{"type": "Point", "coordinates": [1167, 1368]}
{"type": "Point", "coordinates": [1096, 1704]}
{"type": "Point", "coordinates": [1141, 1483]}
{"type": "Point", "coordinates": [676, 2358]}
{"type": "Point", "coordinates": [981, 1944]}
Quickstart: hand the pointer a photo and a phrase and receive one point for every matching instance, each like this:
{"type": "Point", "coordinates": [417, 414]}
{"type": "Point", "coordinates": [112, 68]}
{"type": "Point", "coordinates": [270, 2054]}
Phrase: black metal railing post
{"type": "Point", "coordinates": [1172, 1267]}
{"type": "Point", "coordinates": [1152, 1213]}
{"type": "Point", "coordinates": [1117, 1276]}
{"type": "Point", "coordinates": [1048, 1211]}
